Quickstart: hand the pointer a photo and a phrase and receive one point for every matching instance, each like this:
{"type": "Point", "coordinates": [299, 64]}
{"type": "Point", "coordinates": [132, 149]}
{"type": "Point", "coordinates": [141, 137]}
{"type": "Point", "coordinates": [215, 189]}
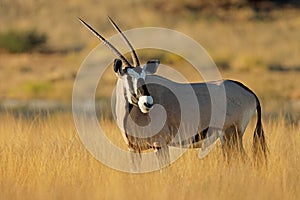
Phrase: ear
{"type": "Point", "coordinates": [151, 66]}
{"type": "Point", "coordinates": [117, 65]}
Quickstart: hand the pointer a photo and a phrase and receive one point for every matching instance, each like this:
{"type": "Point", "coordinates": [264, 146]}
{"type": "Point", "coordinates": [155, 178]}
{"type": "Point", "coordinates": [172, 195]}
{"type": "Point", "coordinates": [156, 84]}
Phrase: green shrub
{"type": "Point", "coordinates": [37, 89]}
{"type": "Point", "coordinates": [21, 41]}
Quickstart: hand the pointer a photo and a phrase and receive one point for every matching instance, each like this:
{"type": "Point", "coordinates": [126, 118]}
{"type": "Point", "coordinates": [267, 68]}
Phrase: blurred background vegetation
{"type": "Point", "coordinates": [257, 42]}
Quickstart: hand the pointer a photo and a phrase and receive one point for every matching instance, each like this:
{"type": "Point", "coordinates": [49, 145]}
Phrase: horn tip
{"type": "Point", "coordinates": [112, 22]}
{"type": "Point", "coordinates": [82, 21]}
{"type": "Point", "coordinates": [79, 19]}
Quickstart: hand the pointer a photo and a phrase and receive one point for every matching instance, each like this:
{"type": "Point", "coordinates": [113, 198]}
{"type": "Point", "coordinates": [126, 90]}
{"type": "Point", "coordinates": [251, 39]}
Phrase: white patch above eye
{"type": "Point", "coordinates": [143, 74]}
{"type": "Point", "coordinates": [136, 75]}
{"type": "Point", "coordinates": [132, 73]}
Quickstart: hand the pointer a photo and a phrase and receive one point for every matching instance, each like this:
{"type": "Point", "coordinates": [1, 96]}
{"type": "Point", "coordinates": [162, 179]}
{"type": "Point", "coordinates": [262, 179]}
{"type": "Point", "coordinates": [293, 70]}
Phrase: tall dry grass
{"type": "Point", "coordinates": [43, 158]}
{"type": "Point", "coordinates": [240, 42]}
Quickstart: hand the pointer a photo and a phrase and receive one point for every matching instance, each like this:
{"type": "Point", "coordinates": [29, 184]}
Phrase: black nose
{"type": "Point", "coordinates": [148, 105]}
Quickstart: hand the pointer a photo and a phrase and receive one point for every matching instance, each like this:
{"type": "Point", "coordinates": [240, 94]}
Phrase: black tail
{"type": "Point", "coordinates": [260, 148]}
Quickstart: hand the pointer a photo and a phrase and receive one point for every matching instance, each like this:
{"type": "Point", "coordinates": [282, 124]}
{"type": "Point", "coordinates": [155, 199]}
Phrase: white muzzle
{"type": "Point", "coordinates": [145, 103]}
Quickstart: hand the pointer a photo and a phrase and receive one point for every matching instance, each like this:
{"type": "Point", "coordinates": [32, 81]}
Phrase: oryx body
{"type": "Point", "coordinates": [138, 91]}
{"type": "Point", "coordinates": [241, 104]}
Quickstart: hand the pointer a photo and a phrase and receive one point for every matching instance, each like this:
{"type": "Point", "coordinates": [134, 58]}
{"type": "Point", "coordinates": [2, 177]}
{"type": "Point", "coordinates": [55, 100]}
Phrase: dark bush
{"type": "Point", "coordinates": [21, 41]}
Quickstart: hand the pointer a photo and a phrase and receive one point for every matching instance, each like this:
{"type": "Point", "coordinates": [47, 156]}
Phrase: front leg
{"type": "Point", "coordinates": [209, 141]}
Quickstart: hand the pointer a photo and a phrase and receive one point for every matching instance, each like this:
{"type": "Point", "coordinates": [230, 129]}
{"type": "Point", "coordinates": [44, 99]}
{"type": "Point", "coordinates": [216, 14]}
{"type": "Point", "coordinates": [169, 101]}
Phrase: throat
{"type": "Point", "coordinates": [131, 99]}
{"type": "Point", "coordinates": [134, 101]}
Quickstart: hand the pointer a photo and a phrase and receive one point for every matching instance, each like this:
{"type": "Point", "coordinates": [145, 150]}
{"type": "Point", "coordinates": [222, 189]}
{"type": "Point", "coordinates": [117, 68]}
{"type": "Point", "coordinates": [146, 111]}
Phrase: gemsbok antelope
{"type": "Point", "coordinates": [138, 91]}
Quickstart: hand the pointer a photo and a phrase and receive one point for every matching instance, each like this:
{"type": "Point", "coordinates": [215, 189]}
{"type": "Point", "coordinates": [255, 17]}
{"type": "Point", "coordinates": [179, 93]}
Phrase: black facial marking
{"type": "Point", "coordinates": [138, 69]}
{"type": "Point", "coordinates": [140, 82]}
{"type": "Point", "coordinates": [142, 88]}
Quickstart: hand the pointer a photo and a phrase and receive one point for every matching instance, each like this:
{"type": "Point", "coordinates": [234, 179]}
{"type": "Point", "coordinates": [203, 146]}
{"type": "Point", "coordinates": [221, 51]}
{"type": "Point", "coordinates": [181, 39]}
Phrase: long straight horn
{"type": "Point", "coordinates": [134, 56]}
{"type": "Point", "coordinates": [108, 44]}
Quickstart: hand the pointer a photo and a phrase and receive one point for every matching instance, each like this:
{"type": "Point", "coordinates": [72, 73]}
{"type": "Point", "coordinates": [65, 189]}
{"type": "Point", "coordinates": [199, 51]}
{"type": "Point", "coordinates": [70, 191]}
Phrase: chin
{"type": "Point", "coordinates": [145, 110]}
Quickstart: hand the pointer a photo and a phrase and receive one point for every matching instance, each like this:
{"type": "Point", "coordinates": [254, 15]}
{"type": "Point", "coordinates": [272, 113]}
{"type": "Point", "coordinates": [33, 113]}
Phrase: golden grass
{"type": "Point", "coordinates": [43, 158]}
